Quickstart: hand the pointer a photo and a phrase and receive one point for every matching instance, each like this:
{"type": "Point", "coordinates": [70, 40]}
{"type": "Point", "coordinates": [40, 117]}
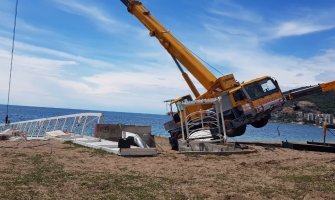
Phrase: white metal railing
{"type": "Point", "coordinates": [208, 120]}
{"type": "Point", "coordinates": [203, 120]}
{"type": "Point", "coordinates": [80, 124]}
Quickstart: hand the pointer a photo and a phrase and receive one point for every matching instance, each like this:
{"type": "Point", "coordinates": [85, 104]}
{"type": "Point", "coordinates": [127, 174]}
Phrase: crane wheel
{"type": "Point", "coordinates": [260, 123]}
{"type": "Point", "coordinates": [237, 131]}
{"type": "Point", "coordinates": [174, 141]}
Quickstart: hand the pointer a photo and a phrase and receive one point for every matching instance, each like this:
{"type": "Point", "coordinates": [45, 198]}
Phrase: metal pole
{"type": "Point", "coordinates": [46, 130]}
{"type": "Point", "coordinates": [29, 127]}
{"type": "Point", "coordinates": [74, 122]}
{"type": "Point", "coordinates": [25, 126]}
{"type": "Point", "coordinates": [181, 123]}
{"type": "Point", "coordinates": [223, 123]}
{"type": "Point", "coordinates": [217, 104]}
{"type": "Point", "coordinates": [324, 133]}
{"type": "Point", "coordinates": [82, 131]}
{"type": "Point", "coordinates": [32, 134]}
{"type": "Point", "coordinates": [186, 124]}
{"type": "Point", "coordinates": [56, 124]}
{"type": "Point", "coordinates": [64, 124]}
{"type": "Point", "coordinates": [202, 120]}
{"type": "Point", "coordinates": [38, 134]}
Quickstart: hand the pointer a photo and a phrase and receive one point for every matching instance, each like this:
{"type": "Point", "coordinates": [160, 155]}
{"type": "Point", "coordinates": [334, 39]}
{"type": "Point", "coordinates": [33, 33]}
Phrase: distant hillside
{"type": "Point", "coordinates": [295, 111]}
{"type": "Point", "coordinates": [324, 101]}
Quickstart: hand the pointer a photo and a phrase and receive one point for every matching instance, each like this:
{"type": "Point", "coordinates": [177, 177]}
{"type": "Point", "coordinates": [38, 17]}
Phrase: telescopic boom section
{"type": "Point", "coordinates": [309, 90]}
{"type": "Point", "coordinates": [171, 44]}
{"type": "Point", "coordinates": [187, 79]}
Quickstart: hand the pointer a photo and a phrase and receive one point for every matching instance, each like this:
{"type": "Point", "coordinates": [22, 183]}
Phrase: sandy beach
{"type": "Point", "coordinates": [57, 170]}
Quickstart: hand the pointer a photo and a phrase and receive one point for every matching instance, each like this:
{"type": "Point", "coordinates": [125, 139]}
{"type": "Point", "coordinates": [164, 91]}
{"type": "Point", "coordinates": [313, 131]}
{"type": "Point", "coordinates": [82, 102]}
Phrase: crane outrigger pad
{"type": "Point", "coordinates": [214, 147]}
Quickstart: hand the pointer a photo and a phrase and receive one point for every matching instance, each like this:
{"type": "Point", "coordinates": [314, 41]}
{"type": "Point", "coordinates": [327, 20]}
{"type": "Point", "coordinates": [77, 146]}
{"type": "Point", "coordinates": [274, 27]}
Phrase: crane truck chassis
{"type": "Point", "coordinates": [248, 103]}
{"type": "Point", "coordinates": [245, 103]}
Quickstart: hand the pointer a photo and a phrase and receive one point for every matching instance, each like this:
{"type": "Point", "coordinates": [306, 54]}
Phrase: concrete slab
{"type": "Point", "coordinates": [105, 145]}
{"type": "Point", "coordinates": [112, 147]}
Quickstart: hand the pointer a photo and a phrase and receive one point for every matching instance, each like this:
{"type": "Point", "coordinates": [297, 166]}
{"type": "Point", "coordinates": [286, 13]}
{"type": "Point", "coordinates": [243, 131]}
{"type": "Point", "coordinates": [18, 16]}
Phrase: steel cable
{"type": "Point", "coordinates": [205, 61]}
{"type": "Point", "coordinates": [7, 121]}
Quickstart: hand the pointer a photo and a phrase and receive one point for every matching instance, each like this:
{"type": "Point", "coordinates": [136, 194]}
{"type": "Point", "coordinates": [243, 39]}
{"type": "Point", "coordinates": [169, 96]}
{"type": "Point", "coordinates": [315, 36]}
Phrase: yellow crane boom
{"type": "Point", "coordinates": [325, 87]}
{"type": "Point", "coordinates": [171, 44]}
{"type": "Point", "coordinates": [304, 91]}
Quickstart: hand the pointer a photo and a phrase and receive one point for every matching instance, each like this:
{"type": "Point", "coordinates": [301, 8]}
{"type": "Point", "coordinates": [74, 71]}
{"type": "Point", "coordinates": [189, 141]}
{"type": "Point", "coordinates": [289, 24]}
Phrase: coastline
{"type": "Point", "coordinates": [293, 122]}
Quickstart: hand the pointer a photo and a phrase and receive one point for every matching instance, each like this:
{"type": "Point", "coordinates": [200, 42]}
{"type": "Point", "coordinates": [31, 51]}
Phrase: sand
{"type": "Point", "coordinates": [56, 170]}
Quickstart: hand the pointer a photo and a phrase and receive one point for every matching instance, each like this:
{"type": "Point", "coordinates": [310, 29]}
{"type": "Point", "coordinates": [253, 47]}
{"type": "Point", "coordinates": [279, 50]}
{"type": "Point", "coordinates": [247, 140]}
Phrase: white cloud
{"type": "Point", "coordinates": [86, 10]}
{"type": "Point", "coordinates": [32, 49]}
{"type": "Point", "coordinates": [135, 91]}
{"type": "Point", "coordinates": [30, 78]}
{"type": "Point", "coordinates": [128, 82]}
{"type": "Point", "coordinates": [35, 65]}
{"type": "Point", "coordinates": [253, 63]}
{"type": "Point", "coordinates": [234, 11]}
{"type": "Point", "coordinates": [302, 22]}
{"type": "Point", "coordinates": [295, 28]}
{"type": "Point", "coordinates": [96, 14]}
{"type": "Point", "coordinates": [241, 48]}
{"type": "Point", "coordinates": [42, 81]}
{"type": "Point", "coordinates": [288, 23]}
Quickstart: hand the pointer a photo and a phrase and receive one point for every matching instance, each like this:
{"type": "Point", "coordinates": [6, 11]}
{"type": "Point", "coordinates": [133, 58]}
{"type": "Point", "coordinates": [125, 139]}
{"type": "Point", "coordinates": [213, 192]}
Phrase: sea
{"type": "Point", "coordinates": [271, 132]}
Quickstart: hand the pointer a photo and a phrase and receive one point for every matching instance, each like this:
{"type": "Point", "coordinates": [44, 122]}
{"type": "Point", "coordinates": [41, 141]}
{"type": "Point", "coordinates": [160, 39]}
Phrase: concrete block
{"type": "Point", "coordinates": [113, 132]}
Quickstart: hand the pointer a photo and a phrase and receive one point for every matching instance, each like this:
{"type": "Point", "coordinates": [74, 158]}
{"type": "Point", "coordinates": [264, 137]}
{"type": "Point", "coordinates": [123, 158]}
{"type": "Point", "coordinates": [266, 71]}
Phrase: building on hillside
{"type": "Point", "coordinates": [319, 119]}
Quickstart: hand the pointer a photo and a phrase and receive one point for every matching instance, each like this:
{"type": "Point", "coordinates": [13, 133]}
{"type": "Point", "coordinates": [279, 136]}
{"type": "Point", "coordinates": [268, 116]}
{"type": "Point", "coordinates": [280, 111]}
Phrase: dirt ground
{"type": "Point", "coordinates": [56, 170]}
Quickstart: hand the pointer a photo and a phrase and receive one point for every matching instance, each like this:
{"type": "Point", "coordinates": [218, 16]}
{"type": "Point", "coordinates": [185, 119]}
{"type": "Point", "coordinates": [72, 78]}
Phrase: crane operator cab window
{"type": "Point", "coordinates": [261, 88]}
{"type": "Point", "coordinates": [239, 95]}
{"type": "Point", "coordinates": [182, 101]}
{"type": "Point", "coordinates": [177, 107]}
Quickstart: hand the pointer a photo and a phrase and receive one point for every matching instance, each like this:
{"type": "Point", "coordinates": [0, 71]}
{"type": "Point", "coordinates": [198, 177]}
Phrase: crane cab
{"type": "Point", "coordinates": [175, 107]}
{"type": "Point", "coordinates": [254, 100]}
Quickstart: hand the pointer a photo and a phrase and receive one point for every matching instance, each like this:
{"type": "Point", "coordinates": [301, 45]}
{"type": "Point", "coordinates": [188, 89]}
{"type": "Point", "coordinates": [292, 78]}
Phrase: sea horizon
{"type": "Point", "coordinates": [271, 132]}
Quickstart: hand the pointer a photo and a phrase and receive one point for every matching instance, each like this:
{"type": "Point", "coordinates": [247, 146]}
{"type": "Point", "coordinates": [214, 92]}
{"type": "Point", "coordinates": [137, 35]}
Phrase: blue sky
{"type": "Point", "coordinates": [95, 55]}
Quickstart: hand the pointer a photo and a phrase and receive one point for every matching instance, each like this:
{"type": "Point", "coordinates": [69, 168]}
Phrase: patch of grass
{"type": "Point", "coordinates": [19, 194]}
{"type": "Point", "coordinates": [52, 180]}
{"type": "Point", "coordinates": [127, 186]}
{"type": "Point", "coordinates": [36, 159]}
{"type": "Point", "coordinates": [312, 182]}
{"type": "Point", "coordinates": [72, 145]}
{"type": "Point", "coordinates": [42, 171]}
{"type": "Point", "coordinates": [5, 171]}
{"type": "Point", "coordinates": [5, 154]}
{"type": "Point", "coordinates": [99, 152]}
{"type": "Point", "coordinates": [301, 178]}
{"type": "Point", "coordinates": [269, 192]}
{"type": "Point", "coordinates": [68, 142]}
{"type": "Point", "coordinates": [20, 155]}
{"type": "Point", "coordinates": [45, 171]}
{"type": "Point", "coordinates": [211, 157]}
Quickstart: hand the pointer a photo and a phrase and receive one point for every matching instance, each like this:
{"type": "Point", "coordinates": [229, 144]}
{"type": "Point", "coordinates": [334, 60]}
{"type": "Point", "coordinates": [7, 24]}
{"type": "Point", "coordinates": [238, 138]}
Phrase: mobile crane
{"type": "Point", "coordinates": [245, 103]}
